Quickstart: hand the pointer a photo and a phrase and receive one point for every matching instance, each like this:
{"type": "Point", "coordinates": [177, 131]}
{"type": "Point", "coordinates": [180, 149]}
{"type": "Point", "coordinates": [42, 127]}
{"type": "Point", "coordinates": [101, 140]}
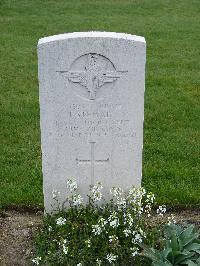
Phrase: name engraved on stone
{"type": "Point", "coordinates": [103, 120]}
{"type": "Point", "coordinates": [94, 70]}
{"type": "Point", "coordinates": [92, 161]}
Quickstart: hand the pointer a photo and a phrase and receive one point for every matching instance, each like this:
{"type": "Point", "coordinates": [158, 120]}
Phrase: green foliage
{"type": "Point", "coordinates": [182, 247]}
{"type": "Point", "coordinates": [104, 234]}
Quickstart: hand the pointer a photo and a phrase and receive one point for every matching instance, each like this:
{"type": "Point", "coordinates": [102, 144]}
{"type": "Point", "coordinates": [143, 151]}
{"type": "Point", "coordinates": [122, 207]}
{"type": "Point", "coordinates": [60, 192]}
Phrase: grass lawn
{"type": "Point", "coordinates": [171, 130]}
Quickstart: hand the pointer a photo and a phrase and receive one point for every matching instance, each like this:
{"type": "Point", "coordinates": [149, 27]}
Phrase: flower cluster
{"type": "Point", "coordinates": [95, 192]}
{"type": "Point", "coordinates": [116, 191]}
{"type": "Point", "coordinates": [113, 239]}
{"type": "Point", "coordinates": [138, 236]}
{"type": "Point", "coordinates": [96, 229]}
{"type": "Point", "coordinates": [161, 210]}
{"type": "Point", "coordinates": [60, 221]}
{"type": "Point", "coordinates": [88, 243]}
{"type": "Point", "coordinates": [134, 251]}
{"type": "Point", "coordinates": [65, 248]}
{"type": "Point", "coordinates": [98, 261]}
{"type": "Point", "coordinates": [77, 199]}
{"type": "Point", "coordinates": [101, 234]}
{"type": "Point", "coordinates": [37, 260]}
{"type": "Point", "coordinates": [111, 258]}
{"type": "Point", "coordinates": [113, 220]}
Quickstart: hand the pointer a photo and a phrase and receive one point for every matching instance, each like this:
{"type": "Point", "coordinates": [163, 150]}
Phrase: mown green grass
{"type": "Point", "coordinates": [171, 131]}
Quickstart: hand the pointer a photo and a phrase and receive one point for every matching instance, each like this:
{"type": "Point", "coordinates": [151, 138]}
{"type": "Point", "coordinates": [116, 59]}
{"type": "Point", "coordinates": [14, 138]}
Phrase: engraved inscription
{"type": "Point", "coordinates": [92, 161]}
{"type": "Point", "coordinates": [92, 71]}
{"type": "Point", "coordinates": [103, 120]}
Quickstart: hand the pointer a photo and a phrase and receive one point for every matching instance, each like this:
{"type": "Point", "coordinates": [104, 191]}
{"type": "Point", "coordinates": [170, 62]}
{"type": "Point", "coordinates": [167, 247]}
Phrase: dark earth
{"type": "Point", "coordinates": [17, 229]}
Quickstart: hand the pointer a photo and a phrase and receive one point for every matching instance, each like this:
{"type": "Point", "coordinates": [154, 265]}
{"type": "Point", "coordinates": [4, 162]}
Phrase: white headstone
{"type": "Point", "coordinates": [92, 110]}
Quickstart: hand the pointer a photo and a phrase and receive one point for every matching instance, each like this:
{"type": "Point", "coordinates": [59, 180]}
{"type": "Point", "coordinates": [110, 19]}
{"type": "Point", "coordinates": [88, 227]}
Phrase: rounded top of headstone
{"type": "Point", "coordinates": [91, 34]}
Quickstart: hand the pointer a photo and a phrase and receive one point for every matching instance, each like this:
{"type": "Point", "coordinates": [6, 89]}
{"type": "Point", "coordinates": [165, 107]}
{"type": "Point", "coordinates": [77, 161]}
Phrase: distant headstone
{"type": "Point", "coordinates": [92, 110]}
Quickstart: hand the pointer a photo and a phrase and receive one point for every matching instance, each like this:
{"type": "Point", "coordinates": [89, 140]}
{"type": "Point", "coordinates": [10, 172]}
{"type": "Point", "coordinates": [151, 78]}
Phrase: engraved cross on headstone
{"type": "Point", "coordinates": [92, 161]}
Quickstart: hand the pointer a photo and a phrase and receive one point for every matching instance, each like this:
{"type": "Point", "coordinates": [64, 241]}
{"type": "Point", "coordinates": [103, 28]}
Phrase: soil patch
{"type": "Point", "coordinates": [17, 230]}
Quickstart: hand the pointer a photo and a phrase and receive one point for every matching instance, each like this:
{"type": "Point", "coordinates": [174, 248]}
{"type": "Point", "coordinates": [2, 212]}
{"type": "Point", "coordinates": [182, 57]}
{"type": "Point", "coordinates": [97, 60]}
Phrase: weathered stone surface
{"type": "Point", "coordinates": [91, 109]}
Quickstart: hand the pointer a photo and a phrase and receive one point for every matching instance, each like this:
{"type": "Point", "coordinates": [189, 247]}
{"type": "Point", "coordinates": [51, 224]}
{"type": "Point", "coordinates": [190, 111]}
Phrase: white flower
{"type": "Point", "coordinates": [96, 229]}
{"type": "Point", "coordinates": [65, 249]}
{"type": "Point", "coordinates": [114, 220]}
{"type": "Point", "coordinates": [79, 264]}
{"type": "Point", "coordinates": [110, 257]}
{"type": "Point", "coordinates": [135, 195]}
{"type": "Point", "coordinates": [102, 222]}
{"type": "Point", "coordinates": [50, 228]}
{"type": "Point", "coordinates": [161, 210]}
{"type": "Point", "coordinates": [128, 219]}
{"type": "Point", "coordinates": [55, 194]}
{"type": "Point", "coordinates": [37, 260]}
{"type": "Point", "coordinates": [127, 232]}
{"type": "Point", "coordinates": [96, 188]}
{"type": "Point", "coordinates": [114, 223]}
{"type": "Point", "coordinates": [140, 211]}
{"type": "Point", "coordinates": [113, 238]}
{"type": "Point", "coordinates": [116, 191]}
{"type": "Point", "coordinates": [95, 192]}
{"type": "Point", "coordinates": [61, 221]}
{"type": "Point", "coordinates": [142, 191]}
{"type": "Point", "coordinates": [97, 196]}
{"type": "Point", "coordinates": [132, 191]}
{"type": "Point", "coordinates": [134, 251]}
{"type": "Point", "coordinates": [88, 243]}
{"type": "Point", "coordinates": [121, 203]}
{"type": "Point", "coordinates": [137, 239]}
{"type": "Point", "coordinates": [138, 236]}
{"type": "Point", "coordinates": [71, 185]}
{"type": "Point", "coordinates": [77, 199]}
{"type": "Point", "coordinates": [142, 232]}
{"type": "Point", "coordinates": [150, 197]}
{"type": "Point", "coordinates": [147, 209]}
{"type": "Point", "coordinates": [98, 262]}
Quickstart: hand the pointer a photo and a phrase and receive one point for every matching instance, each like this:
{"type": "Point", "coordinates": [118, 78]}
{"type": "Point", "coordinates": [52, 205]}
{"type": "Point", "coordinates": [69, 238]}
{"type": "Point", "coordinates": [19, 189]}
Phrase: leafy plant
{"type": "Point", "coordinates": [99, 232]}
{"type": "Point", "coordinates": [182, 247]}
